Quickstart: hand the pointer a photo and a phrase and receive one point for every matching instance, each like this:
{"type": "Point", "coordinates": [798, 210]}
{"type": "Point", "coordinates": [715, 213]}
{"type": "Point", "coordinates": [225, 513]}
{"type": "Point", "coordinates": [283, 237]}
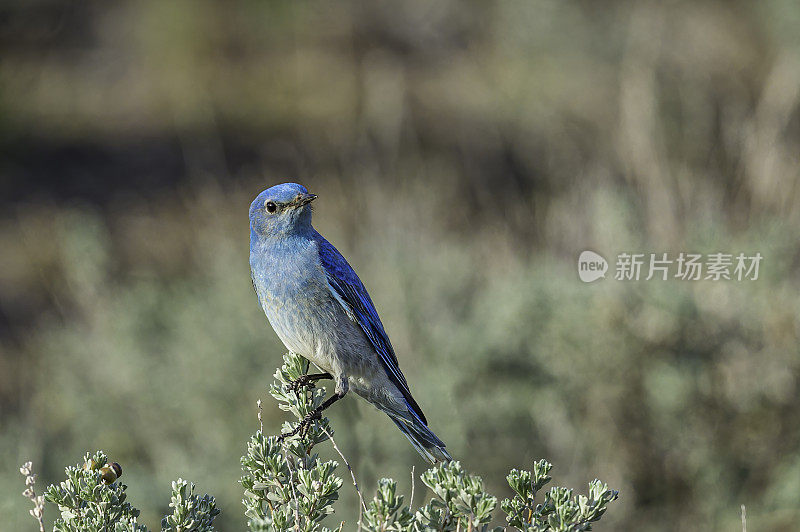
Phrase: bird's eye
{"type": "Point", "coordinates": [271, 207]}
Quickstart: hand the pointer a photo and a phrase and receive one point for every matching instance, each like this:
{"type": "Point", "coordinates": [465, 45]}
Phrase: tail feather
{"type": "Point", "coordinates": [421, 437]}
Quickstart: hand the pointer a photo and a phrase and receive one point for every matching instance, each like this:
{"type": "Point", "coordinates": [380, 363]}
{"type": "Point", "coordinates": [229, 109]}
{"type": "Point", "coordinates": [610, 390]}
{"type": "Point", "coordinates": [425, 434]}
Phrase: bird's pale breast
{"type": "Point", "coordinates": [293, 290]}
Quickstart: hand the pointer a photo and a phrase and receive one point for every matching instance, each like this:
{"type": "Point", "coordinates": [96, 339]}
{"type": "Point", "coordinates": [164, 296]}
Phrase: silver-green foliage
{"type": "Point", "coordinates": [88, 504]}
{"type": "Point", "coordinates": [386, 512]}
{"type": "Point", "coordinates": [288, 487]}
{"type": "Point", "coordinates": [189, 510]}
{"type": "Point", "coordinates": [285, 483]}
{"type": "Point", "coordinates": [558, 510]}
{"type": "Point", "coordinates": [460, 503]}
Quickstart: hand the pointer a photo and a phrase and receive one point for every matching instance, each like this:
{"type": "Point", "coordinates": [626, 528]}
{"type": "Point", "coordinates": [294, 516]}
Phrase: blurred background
{"type": "Point", "coordinates": [464, 154]}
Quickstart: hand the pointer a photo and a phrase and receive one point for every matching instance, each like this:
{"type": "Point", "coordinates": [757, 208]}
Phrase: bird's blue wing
{"type": "Point", "coordinates": [351, 294]}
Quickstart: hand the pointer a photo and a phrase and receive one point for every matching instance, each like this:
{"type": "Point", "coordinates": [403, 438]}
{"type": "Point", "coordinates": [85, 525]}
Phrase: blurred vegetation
{"type": "Point", "coordinates": [464, 154]}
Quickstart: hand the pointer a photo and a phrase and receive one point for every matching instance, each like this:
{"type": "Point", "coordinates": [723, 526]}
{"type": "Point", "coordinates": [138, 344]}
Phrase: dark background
{"type": "Point", "coordinates": [464, 154]}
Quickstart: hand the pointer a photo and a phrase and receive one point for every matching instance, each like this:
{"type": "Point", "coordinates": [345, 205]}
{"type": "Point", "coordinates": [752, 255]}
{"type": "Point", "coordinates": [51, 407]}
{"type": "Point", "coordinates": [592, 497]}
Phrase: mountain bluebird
{"type": "Point", "coordinates": [320, 309]}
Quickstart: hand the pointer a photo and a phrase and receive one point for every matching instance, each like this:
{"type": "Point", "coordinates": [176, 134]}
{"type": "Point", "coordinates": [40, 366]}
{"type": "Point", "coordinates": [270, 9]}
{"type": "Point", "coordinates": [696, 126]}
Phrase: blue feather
{"type": "Point", "coordinates": [352, 292]}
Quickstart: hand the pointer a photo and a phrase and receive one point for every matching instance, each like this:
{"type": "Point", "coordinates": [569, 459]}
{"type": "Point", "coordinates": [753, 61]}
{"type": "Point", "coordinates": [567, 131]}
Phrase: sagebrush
{"type": "Point", "coordinates": [288, 487]}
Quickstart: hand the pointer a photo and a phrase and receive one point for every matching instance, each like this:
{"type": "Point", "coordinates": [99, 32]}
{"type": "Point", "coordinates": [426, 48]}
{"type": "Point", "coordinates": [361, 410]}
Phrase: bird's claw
{"type": "Point", "coordinates": [301, 382]}
{"type": "Point", "coordinates": [302, 428]}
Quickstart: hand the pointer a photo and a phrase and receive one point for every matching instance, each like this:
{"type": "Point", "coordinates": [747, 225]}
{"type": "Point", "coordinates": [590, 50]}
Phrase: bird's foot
{"type": "Point", "coordinates": [316, 415]}
{"type": "Point", "coordinates": [303, 426]}
{"type": "Point", "coordinates": [302, 382]}
{"type": "Point", "coordinates": [307, 380]}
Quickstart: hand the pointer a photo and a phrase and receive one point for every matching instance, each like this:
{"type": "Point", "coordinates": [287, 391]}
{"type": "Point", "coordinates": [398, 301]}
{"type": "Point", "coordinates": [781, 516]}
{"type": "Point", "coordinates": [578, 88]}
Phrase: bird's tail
{"type": "Point", "coordinates": [421, 437]}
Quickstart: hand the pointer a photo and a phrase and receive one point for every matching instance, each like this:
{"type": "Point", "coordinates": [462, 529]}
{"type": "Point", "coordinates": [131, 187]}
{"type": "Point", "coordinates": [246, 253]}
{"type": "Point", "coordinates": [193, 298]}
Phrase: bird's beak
{"type": "Point", "coordinates": [302, 199]}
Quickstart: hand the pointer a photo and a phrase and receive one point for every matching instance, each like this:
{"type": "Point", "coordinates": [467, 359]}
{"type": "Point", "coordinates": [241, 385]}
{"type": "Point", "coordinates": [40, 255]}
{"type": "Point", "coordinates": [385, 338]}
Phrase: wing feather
{"type": "Point", "coordinates": [350, 292]}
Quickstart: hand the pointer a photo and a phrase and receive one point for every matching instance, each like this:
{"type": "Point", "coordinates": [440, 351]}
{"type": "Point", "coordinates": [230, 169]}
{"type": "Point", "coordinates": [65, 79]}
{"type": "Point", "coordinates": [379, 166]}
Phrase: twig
{"type": "Point", "coordinates": [744, 519]}
{"type": "Point", "coordinates": [30, 493]}
{"type": "Point", "coordinates": [294, 493]}
{"type": "Point", "coordinates": [362, 507]}
{"type": "Point", "coordinates": [413, 479]}
{"type": "Point", "coordinates": [260, 422]}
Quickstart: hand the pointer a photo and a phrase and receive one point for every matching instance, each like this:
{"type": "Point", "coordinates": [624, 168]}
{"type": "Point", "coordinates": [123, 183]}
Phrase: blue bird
{"type": "Point", "coordinates": [320, 309]}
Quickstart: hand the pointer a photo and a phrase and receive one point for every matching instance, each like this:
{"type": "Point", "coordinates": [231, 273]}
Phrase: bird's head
{"type": "Point", "coordinates": [281, 210]}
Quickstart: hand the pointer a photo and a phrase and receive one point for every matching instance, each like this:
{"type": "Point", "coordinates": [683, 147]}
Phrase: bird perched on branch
{"type": "Point", "coordinates": [320, 309]}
